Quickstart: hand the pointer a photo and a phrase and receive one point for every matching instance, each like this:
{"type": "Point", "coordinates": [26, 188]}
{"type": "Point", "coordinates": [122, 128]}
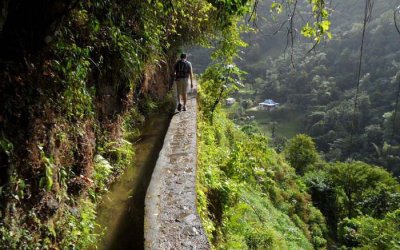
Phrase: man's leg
{"type": "Point", "coordinates": [175, 94]}
{"type": "Point", "coordinates": [179, 85]}
{"type": "Point", "coordinates": [184, 93]}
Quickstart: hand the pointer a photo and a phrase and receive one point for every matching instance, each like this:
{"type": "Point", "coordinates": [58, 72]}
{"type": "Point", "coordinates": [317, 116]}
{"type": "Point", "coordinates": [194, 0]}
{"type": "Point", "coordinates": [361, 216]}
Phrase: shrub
{"type": "Point", "coordinates": [301, 153]}
{"type": "Point", "coordinates": [365, 232]}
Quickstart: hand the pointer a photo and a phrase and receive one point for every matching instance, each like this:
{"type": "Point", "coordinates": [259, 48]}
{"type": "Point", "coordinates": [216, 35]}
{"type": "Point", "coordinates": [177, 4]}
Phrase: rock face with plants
{"type": "Point", "coordinates": [76, 80]}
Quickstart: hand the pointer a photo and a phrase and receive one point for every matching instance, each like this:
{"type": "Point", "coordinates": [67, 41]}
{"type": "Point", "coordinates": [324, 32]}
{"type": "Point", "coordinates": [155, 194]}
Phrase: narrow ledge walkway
{"type": "Point", "coordinates": [171, 219]}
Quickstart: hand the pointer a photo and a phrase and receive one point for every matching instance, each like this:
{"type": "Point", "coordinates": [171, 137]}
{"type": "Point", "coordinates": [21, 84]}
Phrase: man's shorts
{"type": "Point", "coordinates": [182, 85]}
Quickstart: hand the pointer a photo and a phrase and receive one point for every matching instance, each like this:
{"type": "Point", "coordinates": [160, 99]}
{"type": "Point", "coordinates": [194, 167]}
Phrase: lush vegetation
{"type": "Point", "coordinates": [77, 79]}
{"type": "Point", "coordinates": [248, 196]}
{"type": "Point", "coordinates": [322, 85]}
{"type": "Point", "coordinates": [256, 192]}
{"type": "Point", "coordinates": [251, 198]}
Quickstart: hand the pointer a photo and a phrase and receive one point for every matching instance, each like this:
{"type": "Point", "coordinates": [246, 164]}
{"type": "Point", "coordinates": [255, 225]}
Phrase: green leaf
{"type": "Point", "coordinates": [49, 183]}
{"type": "Point", "coordinates": [325, 25]}
{"type": "Point", "coordinates": [308, 31]}
{"type": "Point", "coordinates": [276, 7]}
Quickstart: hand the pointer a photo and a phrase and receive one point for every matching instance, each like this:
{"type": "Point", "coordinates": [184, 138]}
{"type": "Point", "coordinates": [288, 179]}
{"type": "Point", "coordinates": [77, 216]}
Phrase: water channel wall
{"type": "Point", "coordinates": [171, 219]}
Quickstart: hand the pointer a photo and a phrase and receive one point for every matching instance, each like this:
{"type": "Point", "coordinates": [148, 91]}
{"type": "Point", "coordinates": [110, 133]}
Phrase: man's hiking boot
{"type": "Point", "coordinates": [179, 107]}
{"type": "Point", "coordinates": [184, 108]}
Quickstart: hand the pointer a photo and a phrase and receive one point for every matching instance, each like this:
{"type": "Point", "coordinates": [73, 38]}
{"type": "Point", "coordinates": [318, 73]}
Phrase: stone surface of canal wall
{"type": "Point", "coordinates": [171, 219]}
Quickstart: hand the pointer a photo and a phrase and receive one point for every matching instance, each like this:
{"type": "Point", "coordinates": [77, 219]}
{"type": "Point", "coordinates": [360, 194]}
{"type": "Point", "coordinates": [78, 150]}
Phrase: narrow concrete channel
{"type": "Point", "coordinates": [122, 211]}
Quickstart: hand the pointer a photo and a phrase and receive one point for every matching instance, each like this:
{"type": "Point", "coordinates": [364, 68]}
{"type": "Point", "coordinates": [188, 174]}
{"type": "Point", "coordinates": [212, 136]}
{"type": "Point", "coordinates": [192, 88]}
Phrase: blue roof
{"type": "Point", "coordinates": [270, 102]}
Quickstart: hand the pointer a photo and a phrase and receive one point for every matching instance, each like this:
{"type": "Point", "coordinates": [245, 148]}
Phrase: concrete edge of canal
{"type": "Point", "coordinates": [171, 220]}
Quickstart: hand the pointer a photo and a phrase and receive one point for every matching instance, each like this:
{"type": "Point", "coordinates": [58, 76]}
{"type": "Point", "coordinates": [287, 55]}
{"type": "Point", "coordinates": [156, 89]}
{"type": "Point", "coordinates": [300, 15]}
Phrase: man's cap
{"type": "Point", "coordinates": [183, 55]}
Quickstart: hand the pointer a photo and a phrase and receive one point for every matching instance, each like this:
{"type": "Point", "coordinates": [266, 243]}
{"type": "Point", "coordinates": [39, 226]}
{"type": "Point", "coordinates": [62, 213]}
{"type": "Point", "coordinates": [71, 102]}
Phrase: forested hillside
{"type": "Point", "coordinates": [79, 78]}
{"type": "Point", "coordinates": [321, 85]}
{"type": "Point", "coordinates": [253, 197]}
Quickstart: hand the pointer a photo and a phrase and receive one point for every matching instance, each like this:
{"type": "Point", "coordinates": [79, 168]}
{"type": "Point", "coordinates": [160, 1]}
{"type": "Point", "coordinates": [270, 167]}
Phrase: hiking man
{"type": "Point", "coordinates": [183, 70]}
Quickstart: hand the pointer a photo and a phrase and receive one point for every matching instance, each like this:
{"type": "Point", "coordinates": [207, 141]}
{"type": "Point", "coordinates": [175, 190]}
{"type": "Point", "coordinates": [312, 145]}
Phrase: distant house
{"type": "Point", "coordinates": [268, 104]}
{"type": "Point", "coordinates": [230, 101]}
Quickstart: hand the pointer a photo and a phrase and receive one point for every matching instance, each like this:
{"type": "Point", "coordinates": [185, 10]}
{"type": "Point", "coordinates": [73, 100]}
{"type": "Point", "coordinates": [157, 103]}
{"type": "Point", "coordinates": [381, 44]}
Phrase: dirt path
{"type": "Point", "coordinates": [171, 219]}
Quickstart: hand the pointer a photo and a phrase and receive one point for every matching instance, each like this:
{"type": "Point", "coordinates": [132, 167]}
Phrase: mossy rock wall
{"type": "Point", "coordinates": [70, 89]}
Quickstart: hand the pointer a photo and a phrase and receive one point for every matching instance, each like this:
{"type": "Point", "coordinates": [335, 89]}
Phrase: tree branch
{"type": "Point", "coordinates": [292, 34]}
{"type": "Point", "coordinates": [367, 17]}
{"type": "Point", "coordinates": [395, 13]}
{"type": "Point", "coordinates": [396, 106]}
{"type": "Point", "coordinates": [253, 14]}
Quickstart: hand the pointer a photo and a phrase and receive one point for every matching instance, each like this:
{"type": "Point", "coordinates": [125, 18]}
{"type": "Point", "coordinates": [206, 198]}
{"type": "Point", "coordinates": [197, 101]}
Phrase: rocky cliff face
{"type": "Point", "coordinates": [72, 85]}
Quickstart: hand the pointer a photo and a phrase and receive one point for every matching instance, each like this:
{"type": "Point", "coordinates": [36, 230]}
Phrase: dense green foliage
{"type": "Point", "coordinates": [369, 233]}
{"type": "Point", "coordinates": [73, 95]}
{"type": "Point", "coordinates": [301, 153]}
{"type": "Point", "coordinates": [251, 197]}
{"type": "Point", "coordinates": [248, 196]}
{"type": "Point", "coordinates": [353, 195]}
{"type": "Point", "coordinates": [322, 86]}
{"type": "Point", "coordinates": [71, 105]}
